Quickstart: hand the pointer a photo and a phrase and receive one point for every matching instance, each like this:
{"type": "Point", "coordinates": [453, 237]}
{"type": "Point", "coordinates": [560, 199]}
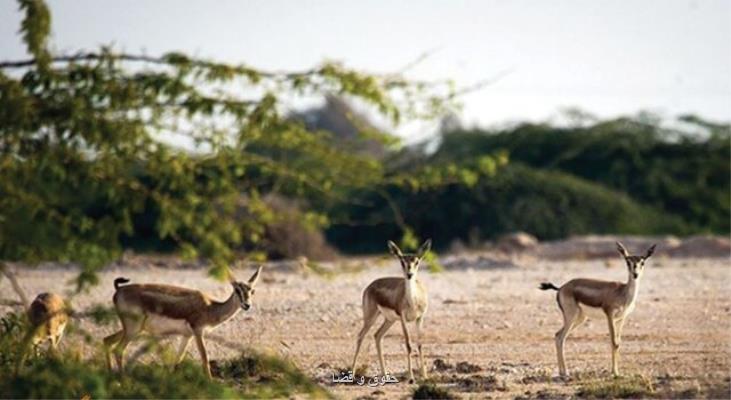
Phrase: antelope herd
{"type": "Point", "coordinates": [166, 310]}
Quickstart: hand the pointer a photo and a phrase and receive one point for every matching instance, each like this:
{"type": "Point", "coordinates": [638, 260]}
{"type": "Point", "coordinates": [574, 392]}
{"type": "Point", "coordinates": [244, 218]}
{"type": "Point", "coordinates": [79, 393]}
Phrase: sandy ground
{"type": "Point", "coordinates": [495, 319]}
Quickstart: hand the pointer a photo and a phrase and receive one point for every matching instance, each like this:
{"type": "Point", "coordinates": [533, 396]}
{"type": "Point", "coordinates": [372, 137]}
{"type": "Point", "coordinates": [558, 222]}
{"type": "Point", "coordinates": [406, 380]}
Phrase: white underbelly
{"type": "Point", "coordinates": [158, 325]}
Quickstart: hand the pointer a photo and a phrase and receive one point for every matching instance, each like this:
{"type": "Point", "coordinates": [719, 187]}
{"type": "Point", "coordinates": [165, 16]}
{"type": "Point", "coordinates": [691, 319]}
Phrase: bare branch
{"type": "Point", "coordinates": [16, 286]}
{"type": "Point", "coordinates": [164, 60]}
{"type": "Point", "coordinates": [422, 57]}
{"type": "Point", "coordinates": [479, 85]}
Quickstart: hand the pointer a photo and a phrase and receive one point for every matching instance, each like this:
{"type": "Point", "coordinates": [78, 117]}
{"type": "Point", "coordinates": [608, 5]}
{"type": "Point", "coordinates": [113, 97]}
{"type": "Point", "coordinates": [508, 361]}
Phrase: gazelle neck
{"type": "Point", "coordinates": [632, 286]}
{"type": "Point", "coordinates": [222, 311]}
{"type": "Point", "coordinates": [410, 292]}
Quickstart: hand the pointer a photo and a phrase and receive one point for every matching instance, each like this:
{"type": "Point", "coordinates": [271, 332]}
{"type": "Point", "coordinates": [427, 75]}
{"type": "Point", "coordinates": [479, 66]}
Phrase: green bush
{"type": "Point", "coordinates": [51, 377]}
{"type": "Point", "coordinates": [431, 391]}
{"type": "Point", "coordinates": [266, 376]}
{"type": "Point", "coordinates": [630, 387]}
{"type": "Point", "coordinates": [71, 376]}
{"type": "Point", "coordinates": [547, 204]}
{"type": "Point", "coordinates": [685, 170]}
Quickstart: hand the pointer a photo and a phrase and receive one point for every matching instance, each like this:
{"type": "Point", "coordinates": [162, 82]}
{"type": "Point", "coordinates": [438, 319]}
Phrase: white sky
{"type": "Point", "coordinates": [606, 57]}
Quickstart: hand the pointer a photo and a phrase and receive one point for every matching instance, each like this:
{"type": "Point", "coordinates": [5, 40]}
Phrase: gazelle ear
{"type": "Point", "coordinates": [231, 277]}
{"type": "Point", "coordinates": [255, 277]}
{"type": "Point", "coordinates": [425, 247]}
{"type": "Point", "coordinates": [650, 251]}
{"type": "Point", "coordinates": [622, 250]}
{"type": "Point", "coordinates": [394, 249]}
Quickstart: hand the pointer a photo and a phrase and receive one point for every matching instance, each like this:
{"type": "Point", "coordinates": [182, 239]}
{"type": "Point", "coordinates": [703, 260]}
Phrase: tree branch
{"type": "Point", "coordinates": [16, 286]}
{"type": "Point", "coordinates": [168, 59]}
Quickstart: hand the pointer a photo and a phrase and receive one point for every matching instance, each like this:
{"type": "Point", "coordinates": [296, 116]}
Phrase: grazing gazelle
{"type": "Point", "coordinates": [397, 299]}
{"type": "Point", "coordinates": [164, 310]}
{"type": "Point", "coordinates": [616, 299]}
{"type": "Point", "coordinates": [48, 316]}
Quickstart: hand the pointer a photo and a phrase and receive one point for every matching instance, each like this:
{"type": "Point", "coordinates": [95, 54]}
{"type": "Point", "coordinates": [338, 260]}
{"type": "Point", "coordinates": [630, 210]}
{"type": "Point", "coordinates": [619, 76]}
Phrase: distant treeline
{"type": "Point", "coordinates": [629, 175]}
{"type": "Point", "coordinates": [625, 176]}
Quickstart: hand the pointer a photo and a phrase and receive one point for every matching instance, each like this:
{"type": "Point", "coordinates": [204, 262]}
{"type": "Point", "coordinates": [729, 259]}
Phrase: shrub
{"type": "Point", "coordinates": [684, 171]}
{"type": "Point", "coordinates": [51, 377]}
{"type": "Point", "coordinates": [546, 204]}
{"type": "Point", "coordinates": [267, 376]}
{"type": "Point", "coordinates": [618, 388]}
{"type": "Point", "coordinates": [289, 235]}
{"type": "Point", "coordinates": [70, 376]}
{"type": "Point", "coordinates": [431, 391]}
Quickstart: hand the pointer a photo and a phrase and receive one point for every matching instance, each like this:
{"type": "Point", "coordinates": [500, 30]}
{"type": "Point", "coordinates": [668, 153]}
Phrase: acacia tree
{"type": "Point", "coordinates": [89, 139]}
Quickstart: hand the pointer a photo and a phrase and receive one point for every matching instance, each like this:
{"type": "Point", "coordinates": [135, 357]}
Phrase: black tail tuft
{"type": "Point", "coordinates": [548, 285]}
{"type": "Point", "coordinates": [120, 281]}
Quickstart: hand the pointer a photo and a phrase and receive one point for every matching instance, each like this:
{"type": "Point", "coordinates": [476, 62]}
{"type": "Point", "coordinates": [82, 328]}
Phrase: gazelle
{"type": "Point", "coordinates": [397, 299]}
{"type": "Point", "coordinates": [48, 317]}
{"type": "Point", "coordinates": [164, 310]}
{"type": "Point", "coordinates": [616, 299]}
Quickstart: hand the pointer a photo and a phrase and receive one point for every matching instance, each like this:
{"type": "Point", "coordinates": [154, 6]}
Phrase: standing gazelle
{"type": "Point", "coordinates": [616, 299]}
{"type": "Point", "coordinates": [397, 299]}
{"type": "Point", "coordinates": [165, 310]}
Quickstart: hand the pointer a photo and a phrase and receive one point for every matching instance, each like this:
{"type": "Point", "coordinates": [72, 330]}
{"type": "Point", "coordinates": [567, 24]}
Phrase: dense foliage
{"type": "Point", "coordinates": [684, 171]}
{"type": "Point", "coordinates": [98, 147]}
{"type": "Point", "coordinates": [630, 175]}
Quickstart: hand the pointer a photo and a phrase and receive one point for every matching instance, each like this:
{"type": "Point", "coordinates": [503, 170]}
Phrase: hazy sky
{"type": "Point", "coordinates": [607, 57]}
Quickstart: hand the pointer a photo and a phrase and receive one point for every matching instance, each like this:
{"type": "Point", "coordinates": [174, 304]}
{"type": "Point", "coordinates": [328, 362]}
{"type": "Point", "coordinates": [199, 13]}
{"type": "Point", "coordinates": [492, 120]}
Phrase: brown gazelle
{"type": "Point", "coordinates": [397, 299]}
{"type": "Point", "coordinates": [48, 317]}
{"type": "Point", "coordinates": [616, 299]}
{"type": "Point", "coordinates": [164, 310]}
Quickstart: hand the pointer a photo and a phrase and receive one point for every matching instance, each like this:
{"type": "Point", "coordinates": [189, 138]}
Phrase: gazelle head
{"type": "Point", "coordinates": [245, 291]}
{"type": "Point", "coordinates": [635, 264]}
{"type": "Point", "coordinates": [410, 262]}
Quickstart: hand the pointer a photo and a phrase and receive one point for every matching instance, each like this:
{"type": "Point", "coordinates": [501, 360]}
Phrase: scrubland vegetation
{"type": "Point", "coordinates": [103, 151]}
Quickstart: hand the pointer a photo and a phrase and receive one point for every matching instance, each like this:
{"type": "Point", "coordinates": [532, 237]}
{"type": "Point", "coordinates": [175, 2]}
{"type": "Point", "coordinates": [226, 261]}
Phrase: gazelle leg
{"type": "Point", "coordinates": [571, 313]}
{"type": "Point", "coordinates": [119, 352]}
{"type": "Point", "coordinates": [25, 346]}
{"type": "Point", "coordinates": [380, 333]}
{"type": "Point", "coordinates": [52, 346]}
{"type": "Point", "coordinates": [370, 313]}
{"type": "Point", "coordinates": [184, 343]}
{"type": "Point", "coordinates": [109, 343]}
{"type": "Point", "coordinates": [57, 337]}
{"type": "Point", "coordinates": [203, 353]}
{"type": "Point", "coordinates": [120, 348]}
{"type": "Point", "coordinates": [618, 325]}
{"type": "Point", "coordinates": [580, 319]}
{"type": "Point", "coordinates": [422, 367]}
{"type": "Point", "coordinates": [615, 344]}
{"type": "Point", "coordinates": [408, 348]}
{"type": "Point", "coordinates": [132, 325]}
